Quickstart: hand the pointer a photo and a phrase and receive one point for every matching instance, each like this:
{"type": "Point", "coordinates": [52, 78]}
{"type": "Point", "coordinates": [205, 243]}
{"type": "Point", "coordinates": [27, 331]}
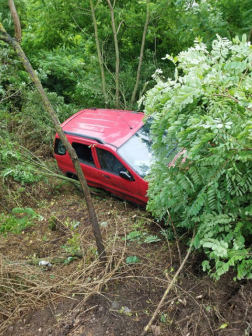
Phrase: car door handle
{"type": "Point", "coordinates": [108, 177]}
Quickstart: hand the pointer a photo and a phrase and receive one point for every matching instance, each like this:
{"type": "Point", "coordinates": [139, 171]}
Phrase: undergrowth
{"type": "Point", "coordinates": [18, 220]}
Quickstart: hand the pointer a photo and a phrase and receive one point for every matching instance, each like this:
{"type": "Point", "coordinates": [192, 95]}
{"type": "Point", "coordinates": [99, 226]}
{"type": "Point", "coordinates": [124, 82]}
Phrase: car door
{"type": "Point", "coordinates": [85, 155]}
{"type": "Point", "coordinates": [111, 167]}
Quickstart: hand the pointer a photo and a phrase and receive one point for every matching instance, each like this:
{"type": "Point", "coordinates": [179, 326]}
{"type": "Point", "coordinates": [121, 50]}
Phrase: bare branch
{"type": "Point", "coordinates": [112, 14]}
{"type": "Point", "coordinates": [119, 26]}
{"type": "Point", "coordinates": [141, 52]}
{"type": "Point", "coordinates": [176, 236]}
{"type": "Point", "coordinates": [232, 98]}
{"type": "Point", "coordinates": [99, 54]}
{"type": "Point", "coordinates": [250, 34]}
{"type": "Point", "coordinates": [11, 95]}
{"type": "Point", "coordinates": [168, 288]}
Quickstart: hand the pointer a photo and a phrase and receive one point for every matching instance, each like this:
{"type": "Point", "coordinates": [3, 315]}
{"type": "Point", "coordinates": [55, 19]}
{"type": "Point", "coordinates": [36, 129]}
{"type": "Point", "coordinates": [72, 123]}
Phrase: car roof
{"type": "Point", "coordinates": [114, 127]}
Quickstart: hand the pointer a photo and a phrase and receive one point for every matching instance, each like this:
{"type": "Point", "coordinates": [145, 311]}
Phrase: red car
{"type": "Point", "coordinates": [114, 150]}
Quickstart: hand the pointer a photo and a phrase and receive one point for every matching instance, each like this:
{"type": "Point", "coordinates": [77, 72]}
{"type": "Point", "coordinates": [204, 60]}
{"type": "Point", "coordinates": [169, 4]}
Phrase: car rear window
{"type": "Point", "coordinates": [59, 148]}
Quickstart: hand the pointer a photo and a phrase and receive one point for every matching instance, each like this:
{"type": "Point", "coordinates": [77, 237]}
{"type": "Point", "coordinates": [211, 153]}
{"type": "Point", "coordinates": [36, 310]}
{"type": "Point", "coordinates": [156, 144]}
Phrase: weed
{"type": "Point", "coordinates": [18, 220]}
{"type": "Point", "coordinates": [142, 237]}
{"type": "Point", "coordinates": [134, 235]}
{"type": "Point", "coordinates": [132, 260]}
{"type": "Point", "coordinates": [73, 243]}
{"type": "Point", "coordinates": [151, 239]}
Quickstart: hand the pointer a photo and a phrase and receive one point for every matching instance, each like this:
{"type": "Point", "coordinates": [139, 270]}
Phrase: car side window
{"type": "Point", "coordinates": [109, 162]}
{"type": "Point", "coordinates": [59, 148]}
{"type": "Point", "coordinates": [84, 153]}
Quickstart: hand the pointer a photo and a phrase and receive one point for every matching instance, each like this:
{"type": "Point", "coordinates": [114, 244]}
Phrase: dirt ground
{"type": "Point", "coordinates": [79, 296]}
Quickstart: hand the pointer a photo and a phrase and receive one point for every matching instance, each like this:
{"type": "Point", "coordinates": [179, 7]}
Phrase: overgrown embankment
{"type": "Point", "coordinates": [76, 295]}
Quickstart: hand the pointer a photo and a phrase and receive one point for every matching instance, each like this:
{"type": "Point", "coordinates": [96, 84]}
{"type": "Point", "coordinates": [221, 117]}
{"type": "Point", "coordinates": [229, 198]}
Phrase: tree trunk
{"type": "Point", "coordinates": [116, 52]}
{"type": "Point", "coordinates": [133, 97]}
{"type": "Point", "coordinates": [99, 53]}
{"type": "Point", "coordinates": [250, 34]}
{"type": "Point", "coordinates": [48, 107]}
{"type": "Point", "coordinates": [15, 17]}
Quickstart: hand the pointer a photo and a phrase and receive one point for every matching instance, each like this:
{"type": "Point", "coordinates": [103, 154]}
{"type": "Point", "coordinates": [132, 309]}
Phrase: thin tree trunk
{"type": "Point", "coordinates": [17, 25]}
{"type": "Point", "coordinates": [146, 329]}
{"type": "Point", "coordinates": [133, 97]}
{"type": "Point", "coordinates": [99, 53]}
{"type": "Point", "coordinates": [48, 107]}
{"type": "Point", "coordinates": [116, 52]}
{"type": "Point", "coordinates": [250, 34]}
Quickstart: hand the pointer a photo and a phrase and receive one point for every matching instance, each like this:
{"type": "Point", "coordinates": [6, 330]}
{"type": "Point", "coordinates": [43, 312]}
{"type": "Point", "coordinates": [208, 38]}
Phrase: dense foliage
{"type": "Point", "coordinates": [206, 109]}
{"type": "Point", "coordinates": [59, 38]}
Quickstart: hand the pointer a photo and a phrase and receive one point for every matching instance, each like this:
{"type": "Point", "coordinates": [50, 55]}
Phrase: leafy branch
{"type": "Point", "coordinates": [213, 186]}
{"type": "Point", "coordinates": [230, 97]}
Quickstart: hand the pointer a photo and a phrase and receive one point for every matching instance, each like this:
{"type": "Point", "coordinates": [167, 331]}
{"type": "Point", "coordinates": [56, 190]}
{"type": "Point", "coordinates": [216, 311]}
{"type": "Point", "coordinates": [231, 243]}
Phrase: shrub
{"type": "Point", "coordinates": [206, 109]}
{"type": "Point", "coordinates": [35, 120]}
{"type": "Point", "coordinates": [18, 220]}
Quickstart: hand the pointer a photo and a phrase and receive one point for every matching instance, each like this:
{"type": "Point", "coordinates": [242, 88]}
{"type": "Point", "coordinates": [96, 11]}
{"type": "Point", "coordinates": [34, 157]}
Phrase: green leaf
{"type": "Point", "coordinates": [205, 111]}
{"type": "Point", "coordinates": [151, 239]}
{"type": "Point", "coordinates": [132, 260]}
{"type": "Point", "coordinates": [223, 326]}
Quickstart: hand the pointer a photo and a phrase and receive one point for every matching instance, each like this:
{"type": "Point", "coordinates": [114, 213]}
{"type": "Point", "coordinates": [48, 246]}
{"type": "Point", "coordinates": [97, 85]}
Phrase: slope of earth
{"type": "Point", "coordinates": [78, 296]}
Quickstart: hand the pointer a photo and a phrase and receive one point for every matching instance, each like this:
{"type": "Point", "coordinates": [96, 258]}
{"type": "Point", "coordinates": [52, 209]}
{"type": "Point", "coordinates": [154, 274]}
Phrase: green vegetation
{"type": "Point", "coordinates": [59, 39]}
{"type": "Point", "coordinates": [73, 243]}
{"type": "Point", "coordinates": [18, 220]}
{"type": "Point", "coordinates": [202, 100]}
{"type": "Point", "coordinates": [207, 111]}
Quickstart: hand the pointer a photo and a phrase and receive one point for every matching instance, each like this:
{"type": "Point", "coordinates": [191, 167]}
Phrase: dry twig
{"type": "Point", "coordinates": [167, 290]}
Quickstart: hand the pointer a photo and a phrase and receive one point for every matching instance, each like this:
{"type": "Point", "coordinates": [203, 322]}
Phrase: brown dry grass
{"type": "Point", "coordinates": [24, 287]}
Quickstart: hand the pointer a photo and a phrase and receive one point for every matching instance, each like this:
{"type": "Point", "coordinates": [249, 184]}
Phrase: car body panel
{"type": "Point", "coordinates": [110, 126]}
{"type": "Point", "coordinates": [104, 131]}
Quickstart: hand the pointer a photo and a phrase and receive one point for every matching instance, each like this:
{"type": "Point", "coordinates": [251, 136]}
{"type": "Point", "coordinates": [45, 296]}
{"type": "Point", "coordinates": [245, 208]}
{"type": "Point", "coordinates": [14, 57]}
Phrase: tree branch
{"type": "Point", "coordinates": [2, 38]}
{"type": "Point", "coordinates": [112, 14]}
{"type": "Point", "coordinates": [232, 98]}
{"type": "Point", "coordinates": [169, 288]}
{"type": "Point", "coordinates": [141, 52]}
{"type": "Point", "coordinates": [99, 54]}
{"type": "Point", "coordinates": [250, 34]}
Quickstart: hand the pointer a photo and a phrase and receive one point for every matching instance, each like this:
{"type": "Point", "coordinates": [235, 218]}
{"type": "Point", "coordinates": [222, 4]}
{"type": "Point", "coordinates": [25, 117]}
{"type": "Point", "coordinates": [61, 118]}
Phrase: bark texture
{"type": "Point", "coordinates": [99, 54]}
{"type": "Point", "coordinates": [116, 51]}
{"type": "Point", "coordinates": [133, 97]}
{"type": "Point", "coordinates": [15, 17]}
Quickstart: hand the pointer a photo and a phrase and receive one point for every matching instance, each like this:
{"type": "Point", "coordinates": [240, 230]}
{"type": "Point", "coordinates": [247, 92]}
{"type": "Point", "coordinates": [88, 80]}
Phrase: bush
{"type": "Point", "coordinates": [207, 111]}
{"type": "Point", "coordinates": [37, 123]}
{"type": "Point", "coordinates": [18, 220]}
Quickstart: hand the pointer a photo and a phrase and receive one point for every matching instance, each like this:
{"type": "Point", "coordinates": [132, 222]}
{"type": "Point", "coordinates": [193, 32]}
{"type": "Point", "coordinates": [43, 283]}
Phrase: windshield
{"type": "Point", "coordinates": [137, 150]}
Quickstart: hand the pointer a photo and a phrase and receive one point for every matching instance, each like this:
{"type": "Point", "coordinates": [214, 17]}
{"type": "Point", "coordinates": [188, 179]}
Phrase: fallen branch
{"type": "Point", "coordinates": [53, 260]}
{"type": "Point", "coordinates": [168, 290]}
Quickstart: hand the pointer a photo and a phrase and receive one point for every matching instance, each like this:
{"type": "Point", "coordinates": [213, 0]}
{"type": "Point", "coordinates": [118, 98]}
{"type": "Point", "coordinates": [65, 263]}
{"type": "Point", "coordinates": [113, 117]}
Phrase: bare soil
{"type": "Point", "coordinates": [79, 296]}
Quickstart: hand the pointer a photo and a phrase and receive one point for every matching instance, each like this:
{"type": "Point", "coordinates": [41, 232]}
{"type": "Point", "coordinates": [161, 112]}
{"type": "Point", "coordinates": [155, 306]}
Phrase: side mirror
{"type": "Point", "coordinates": [126, 175]}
